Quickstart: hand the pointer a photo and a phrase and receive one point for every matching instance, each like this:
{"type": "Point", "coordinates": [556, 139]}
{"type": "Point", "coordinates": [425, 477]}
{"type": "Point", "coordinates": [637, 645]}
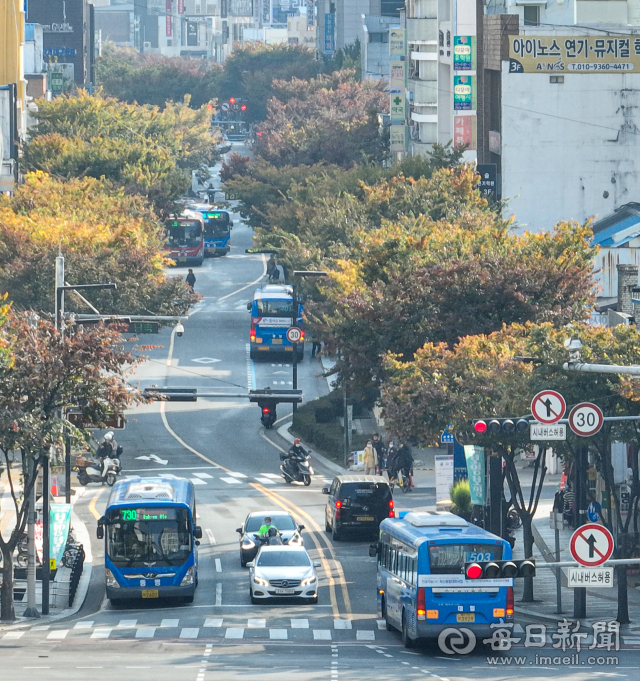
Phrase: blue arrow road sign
{"type": "Point", "coordinates": [447, 436]}
{"type": "Point", "coordinates": [594, 511]}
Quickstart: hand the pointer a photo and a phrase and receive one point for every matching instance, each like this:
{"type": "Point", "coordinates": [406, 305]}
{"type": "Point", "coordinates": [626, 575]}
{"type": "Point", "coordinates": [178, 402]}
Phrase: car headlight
{"type": "Point", "coordinates": [308, 580]}
{"type": "Point", "coordinates": [111, 580]}
{"type": "Point", "coordinates": [189, 578]}
{"type": "Point", "coordinates": [247, 542]}
{"type": "Point", "coordinates": [260, 581]}
{"type": "Point", "coordinates": [295, 539]}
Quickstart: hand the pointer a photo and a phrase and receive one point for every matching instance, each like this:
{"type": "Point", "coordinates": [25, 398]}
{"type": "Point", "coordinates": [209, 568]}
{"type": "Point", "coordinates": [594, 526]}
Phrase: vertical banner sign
{"type": "Point", "coordinates": [465, 131]}
{"type": "Point", "coordinates": [397, 106]}
{"type": "Point", "coordinates": [444, 477]}
{"type": "Point", "coordinates": [329, 33]}
{"type": "Point", "coordinates": [475, 467]}
{"type": "Point", "coordinates": [180, 6]}
{"type": "Point", "coordinates": [397, 138]}
{"type": "Point", "coordinates": [397, 75]}
{"type": "Point", "coordinates": [266, 12]}
{"type": "Point", "coordinates": [464, 53]}
{"type": "Point", "coordinates": [167, 7]}
{"type": "Point", "coordinates": [464, 95]}
{"type": "Point", "coordinates": [169, 26]}
{"type": "Point", "coordinates": [397, 42]}
{"type": "Point", "coordinates": [311, 13]}
{"type": "Point", "coordinates": [60, 515]}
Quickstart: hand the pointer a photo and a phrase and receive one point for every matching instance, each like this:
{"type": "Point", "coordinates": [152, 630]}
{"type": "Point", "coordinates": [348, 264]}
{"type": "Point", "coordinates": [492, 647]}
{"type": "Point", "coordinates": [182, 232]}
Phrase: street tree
{"type": "Point", "coordinates": [45, 373]}
{"type": "Point", "coordinates": [484, 376]}
{"type": "Point", "coordinates": [105, 236]}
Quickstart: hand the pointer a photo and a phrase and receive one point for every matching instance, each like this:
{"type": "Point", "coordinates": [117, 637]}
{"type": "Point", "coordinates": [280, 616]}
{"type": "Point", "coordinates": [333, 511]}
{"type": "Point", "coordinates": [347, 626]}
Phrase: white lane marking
{"type": "Point", "coordinates": [84, 625]}
{"type": "Point", "coordinates": [218, 566]}
{"type": "Point", "coordinates": [189, 633]}
{"type": "Point", "coordinates": [212, 539]}
{"type": "Point", "coordinates": [322, 634]}
{"type": "Point", "coordinates": [231, 481]}
{"type": "Point", "coordinates": [278, 633]}
{"type": "Point", "coordinates": [59, 633]}
{"type": "Point", "coordinates": [13, 635]}
{"type": "Point", "coordinates": [101, 633]}
{"type": "Point", "coordinates": [146, 632]}
{"type": "Point", "coordinates": [256, 623]}
{"type": "Point", "coordinates": [169, 623]}
{"type": "Point", "coordinates": [203, 475]}
{"type": "Point", "coordinates": [299, 624]}
{"type": "Point", "coordinates": [270, 475]}
{"type": "Point", "coordinates": [213, 622]}
{"type": "Point", "coordinates": [266, 481]}
{"type": "Point", "coordinates": [236, 475]}
{"type": "Point", "coordinates": [127, 624]}
{"type": "Point", "coordinates": [342, 624]}
{"type": "Point", "coordinates": [365, 635]}
{"type": "Point", "coordinates": [218, 594]}
{"type": "Point", "coordinates": [253, 283]}
{"type": "Point", "coordinates": [42, 627]}
{"type": "Point", "coordinates": [197, 481]}
{"type": "Point", "coordinates": [234, 633]}
{"type": "Point", "coordinates": [382, 624]}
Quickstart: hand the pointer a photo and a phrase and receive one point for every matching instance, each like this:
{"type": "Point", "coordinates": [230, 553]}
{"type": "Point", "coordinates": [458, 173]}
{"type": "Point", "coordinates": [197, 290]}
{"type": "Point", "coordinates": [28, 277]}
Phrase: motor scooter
{"type": "Point", "coordinates": [301, 472]}
{"type": "Point", "coordinates": [91, 470]}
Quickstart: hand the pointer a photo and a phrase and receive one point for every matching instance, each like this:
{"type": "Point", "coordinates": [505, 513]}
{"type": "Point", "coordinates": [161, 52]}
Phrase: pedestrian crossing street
{"type": "Point", "coordinates": [231, 478]}
{"type": "Point", "coordinates": [235, 629]}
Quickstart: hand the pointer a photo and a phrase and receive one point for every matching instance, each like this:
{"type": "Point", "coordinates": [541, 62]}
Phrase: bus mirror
{"type": "Point", "coordinates": [249, 306]}
{"type": "Point", "coordinates": [197, 532]}
{"type": "Point", "coordinates": [100, 528]}
{"type": "Point", "coordinates": [373, 550]}
{"type": "Point", "coordinates": [325, 489]}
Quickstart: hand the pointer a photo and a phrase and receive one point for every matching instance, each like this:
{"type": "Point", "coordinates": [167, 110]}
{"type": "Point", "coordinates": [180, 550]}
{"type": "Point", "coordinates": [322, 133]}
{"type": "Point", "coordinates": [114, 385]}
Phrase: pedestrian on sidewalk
{"type": "Point", "coordinates": [570, 505]}
{"type": "Point", "coordinates": [191, 280]}
{"type": "Point", "coordinates": [378, 445]}
{"type": "Point", "coordinates": [316, 347]}
{"type": "Point", "coordinates": [370, 459]}
{"type": "Point", "coordinates": [392, 460]}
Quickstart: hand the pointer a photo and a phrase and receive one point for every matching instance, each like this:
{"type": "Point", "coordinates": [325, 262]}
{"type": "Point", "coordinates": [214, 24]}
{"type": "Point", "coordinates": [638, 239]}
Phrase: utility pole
{"type": "Point", "coordinates": [32, 610]}
{"type": "Point", "coordinates": [580, 472]}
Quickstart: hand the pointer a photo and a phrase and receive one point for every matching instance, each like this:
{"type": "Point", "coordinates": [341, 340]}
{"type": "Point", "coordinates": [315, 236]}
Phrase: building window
{"type": "Point", "coordinates": [379, 37]}
{"type": "Point", "coordinates": [531, 15]}
{"type": "Point", "coordinates": [198, 8]}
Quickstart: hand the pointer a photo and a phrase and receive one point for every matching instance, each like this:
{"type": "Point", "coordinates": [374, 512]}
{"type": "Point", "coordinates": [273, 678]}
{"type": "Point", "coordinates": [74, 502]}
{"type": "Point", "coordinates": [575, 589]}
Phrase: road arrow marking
{"type": "Point", "coordinates": [157, 459]}
{"type": "Point", "coordinates": [144, 458]}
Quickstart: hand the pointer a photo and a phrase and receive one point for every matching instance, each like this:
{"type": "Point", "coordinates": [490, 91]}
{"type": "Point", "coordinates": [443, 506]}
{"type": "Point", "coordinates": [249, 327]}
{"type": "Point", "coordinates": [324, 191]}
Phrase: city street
{"type": "Point", "coordinates": [219, 444]}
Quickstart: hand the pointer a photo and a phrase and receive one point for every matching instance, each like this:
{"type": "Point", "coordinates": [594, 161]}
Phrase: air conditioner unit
{"type": "Point", "coordinates": [169, 44]}
{"type": "Point", "coordinates": [146, 45]}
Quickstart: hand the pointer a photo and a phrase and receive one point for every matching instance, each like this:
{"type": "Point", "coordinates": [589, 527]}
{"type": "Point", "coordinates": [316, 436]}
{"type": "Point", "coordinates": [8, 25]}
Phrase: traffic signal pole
{"type": "Point", "coordinates": [580, 593]}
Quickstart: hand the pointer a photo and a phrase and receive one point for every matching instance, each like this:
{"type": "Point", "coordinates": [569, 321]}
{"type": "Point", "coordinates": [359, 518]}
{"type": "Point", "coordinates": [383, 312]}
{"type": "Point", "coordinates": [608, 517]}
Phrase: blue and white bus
{"type": "Point", "coordinates": [271, 317]}
{"type": "Point", "coordinates": [150, 539]}
{"type": "Point", "coordinates": [217, 228]}
{"type": "Point", "coordinates": [422, 588]}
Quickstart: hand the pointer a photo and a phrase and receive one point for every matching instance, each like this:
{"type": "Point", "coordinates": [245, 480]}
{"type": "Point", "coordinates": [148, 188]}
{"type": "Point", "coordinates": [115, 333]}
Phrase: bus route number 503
{"type": "Point", "coordinates": [478, 557]}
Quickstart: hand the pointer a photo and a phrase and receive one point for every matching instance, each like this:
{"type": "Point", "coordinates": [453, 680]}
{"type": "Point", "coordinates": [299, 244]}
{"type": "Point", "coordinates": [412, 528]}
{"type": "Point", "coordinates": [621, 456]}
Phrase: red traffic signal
{"type": "Point", "coordinates": [506, 426]}
{"type": "Point", "coordinates": [480, 426]}
{"type": "Point", "coordinates": [232, 100]}
{"type": "Point", "coordinates": [474, 571]}
{"type": "Point", "coordinates": [496, 569]}
{"type": "Point", "coordinates": [266, 410]}
{"type": "Point", "coordinates": [243, 107]}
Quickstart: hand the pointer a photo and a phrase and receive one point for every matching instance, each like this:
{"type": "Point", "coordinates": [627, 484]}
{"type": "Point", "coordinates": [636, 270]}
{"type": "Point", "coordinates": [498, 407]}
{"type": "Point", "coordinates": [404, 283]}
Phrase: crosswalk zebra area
{"type": "Point", "coordinates": [232, 478]}
{"type": "Point", "coordinates": [211, 627]}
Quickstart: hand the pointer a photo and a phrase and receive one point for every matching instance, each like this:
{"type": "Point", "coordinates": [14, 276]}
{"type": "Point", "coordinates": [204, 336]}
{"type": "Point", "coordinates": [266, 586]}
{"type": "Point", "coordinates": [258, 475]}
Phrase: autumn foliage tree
{"type": "Point", "coordinates": [44, 373]}
{"type": "Point", "coordinates": [105, 236]}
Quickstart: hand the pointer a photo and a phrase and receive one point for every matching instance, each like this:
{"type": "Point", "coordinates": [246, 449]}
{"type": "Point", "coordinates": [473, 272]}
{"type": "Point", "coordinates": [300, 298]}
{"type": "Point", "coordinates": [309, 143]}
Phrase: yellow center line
{"type": "Point", "coordinates": [92, 505]}
{"type": "Point", "coordinates": [277, 499]}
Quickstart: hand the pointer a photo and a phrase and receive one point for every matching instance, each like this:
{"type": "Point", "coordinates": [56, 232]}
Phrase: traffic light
{"type": "Point", "coordinates": [232, 100]}
{"type": "Point", "coordinates": [243, 107]}
{"type": "Point", "coordinates": [495, 569]}
{"type": "Point", "coordinates": [269, 415]}
{"type": "Point", "coordinates": [507, 426]}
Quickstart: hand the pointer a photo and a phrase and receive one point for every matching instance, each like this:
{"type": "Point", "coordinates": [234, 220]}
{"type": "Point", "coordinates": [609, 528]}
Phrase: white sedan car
{"type": "Point", "coordinates": [283, 572]}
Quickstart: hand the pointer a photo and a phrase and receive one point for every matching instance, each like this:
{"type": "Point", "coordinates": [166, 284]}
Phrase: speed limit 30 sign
{"type": "Point", "coordinates": [586, 419]}
{"type": "Point", "coordinates": [294, 334]}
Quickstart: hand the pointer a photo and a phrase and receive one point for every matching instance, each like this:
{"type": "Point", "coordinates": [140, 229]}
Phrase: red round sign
{"type": "Point", "coordinates": [548, 407]}
{"type": "Point", "coordinates": [294, 334]}
{"type": "Point", "coordinates": [591, 545]}
{"type": "Point", "coordinates": [586, 419]}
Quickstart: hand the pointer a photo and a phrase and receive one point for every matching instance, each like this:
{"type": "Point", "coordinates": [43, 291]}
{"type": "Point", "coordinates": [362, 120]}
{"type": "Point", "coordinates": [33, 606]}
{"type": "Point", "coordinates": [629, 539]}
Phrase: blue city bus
{"type": "Point", "coordinates": [271, 317]}
{"type": "Point", "coordinates": [150, 539]}
{"type": "Point", "coordinates": [422, 588]}
{"type": "Point", "coordinates": [217, 229]}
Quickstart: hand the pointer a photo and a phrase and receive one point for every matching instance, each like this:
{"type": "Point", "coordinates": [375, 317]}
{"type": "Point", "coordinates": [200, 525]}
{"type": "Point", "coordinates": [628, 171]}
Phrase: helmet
{"type": "Point", "coordinates": [267, 519]}
{"type": "Point", "coordinates": [296, 441]}
{"type": "Point", "coordinates": [272, 532]}
{"type": "Point", "coordinates": [108, 436]}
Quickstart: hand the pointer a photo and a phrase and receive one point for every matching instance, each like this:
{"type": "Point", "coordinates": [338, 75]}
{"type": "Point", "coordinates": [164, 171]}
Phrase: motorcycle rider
{"type": "Point", "coordinates": [107, 451]}
{"type": "Point", "coordinates": [404, 462]}
{"type": "Point", "coordinates": [295, 454]}
{"type": "Point", "coordinates": [266, 526]}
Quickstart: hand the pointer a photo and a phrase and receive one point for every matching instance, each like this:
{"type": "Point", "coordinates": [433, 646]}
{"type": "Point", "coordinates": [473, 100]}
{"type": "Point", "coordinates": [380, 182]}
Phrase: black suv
{"type": "Point", "coordinates": [357, 502]}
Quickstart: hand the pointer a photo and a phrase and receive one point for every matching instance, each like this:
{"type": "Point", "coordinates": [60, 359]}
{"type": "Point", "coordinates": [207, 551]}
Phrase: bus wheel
{"type": "Point", "coordinates": [406, 640]}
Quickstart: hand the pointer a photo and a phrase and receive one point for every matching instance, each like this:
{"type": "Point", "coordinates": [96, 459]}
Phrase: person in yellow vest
{"type": "Point", "coordinates": [370, 459]}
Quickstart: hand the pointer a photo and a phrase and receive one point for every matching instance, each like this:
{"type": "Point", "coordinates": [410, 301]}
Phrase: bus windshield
{"type": "Point", "coordinates": [148, 537]}
{"type": "Point", "coordinates": [449, 559]}
{"type": "Point", "coordinates": [274, 308]}
{"type": "Point", "coordinates": [216, 224]}
{"type": "Point", "coordinates": [184, 233]}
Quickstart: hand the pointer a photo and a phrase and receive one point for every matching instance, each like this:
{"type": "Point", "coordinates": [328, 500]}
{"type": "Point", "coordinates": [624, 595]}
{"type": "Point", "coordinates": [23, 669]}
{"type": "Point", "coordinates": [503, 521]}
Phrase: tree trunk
{"type": "Point", "coordinates": [7, 611]}
{"type": "Point", "coordinates": [623, 602]}
{"type": "Point", "coordinates": [527, 540]}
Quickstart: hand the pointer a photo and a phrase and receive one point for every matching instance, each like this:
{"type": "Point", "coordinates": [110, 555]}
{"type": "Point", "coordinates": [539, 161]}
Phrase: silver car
{"type": "Point", "coordinates": [283, 572]}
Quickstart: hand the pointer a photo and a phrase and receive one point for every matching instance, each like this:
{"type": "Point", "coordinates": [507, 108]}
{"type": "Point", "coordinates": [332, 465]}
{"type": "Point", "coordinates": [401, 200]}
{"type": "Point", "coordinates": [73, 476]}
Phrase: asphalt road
{"type": "Point", "coordinates": [220, 445]}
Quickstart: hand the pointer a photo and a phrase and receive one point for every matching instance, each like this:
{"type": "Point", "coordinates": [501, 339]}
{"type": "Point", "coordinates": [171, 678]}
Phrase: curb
{"type": "Point", "coordinates": [284, 433]}
{"type": "Point", "coordinates": [83, 585]}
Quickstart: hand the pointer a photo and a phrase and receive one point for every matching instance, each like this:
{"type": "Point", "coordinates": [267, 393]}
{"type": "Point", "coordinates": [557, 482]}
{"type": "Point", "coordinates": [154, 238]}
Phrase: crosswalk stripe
{"type": "Point", "coordinates": [342, 624]}
{"type": "Point", "coordinates": [213, 622]}
{"type": "Point", "coordinates": [270, 475]}
{"type": "Point", "coordinates": [84, 624]}
{"type": "Point", "coordinates": [203, 475]}
{"type": "Point", "coordinates": [365, 635]}
{"type": "Point", "coordinates": [169, 623]}
{"type": "Point", "coordinates": [189, 632]}
{"type": "Point", "coordinates": [266, 481]}
{"type": "Point", "coordinates": [146, 632]}
{"type": "Point", "coordinates": [13, 635]}
{"type": "Point", "coordinates": [278, 633]}
{"type": "Point", "coordinates": [257, 623]}
{"type": "Point", "coordinates": [322, 634]}
{"type": "Point", "coordinates": [382, 624]}
{"type": "Point", "coordinates": [58, 633]}
{"type": "Point", "coordinates": [299, 624]}
{"type": "Point", "coordinates": [234, 633]}
{"type": "Point", "coordinates": [101, 633]}
{"type": "Point", "coordinates": [127, 624]}
{"type": "Point", "coordinates": [231, 481]}
{"type": "Point", "coordinates": [41, 627]}
{"type": "Point", "coordinates": [236, 475]}
{"type": "Point", "coordinates": [197, 481]}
